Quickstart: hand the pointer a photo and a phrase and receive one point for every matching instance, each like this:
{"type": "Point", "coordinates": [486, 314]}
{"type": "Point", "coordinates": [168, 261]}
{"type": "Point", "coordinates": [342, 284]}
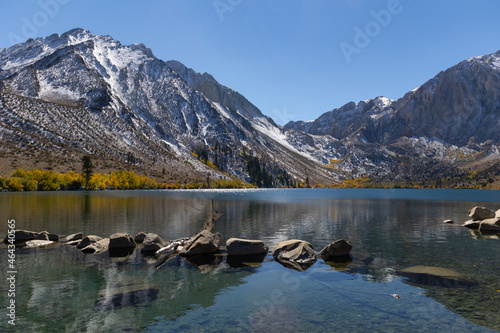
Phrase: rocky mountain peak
{"type": "Point", "coordinates": [79, 92]}
{"type": "Point", "coordinates": [69, 86]}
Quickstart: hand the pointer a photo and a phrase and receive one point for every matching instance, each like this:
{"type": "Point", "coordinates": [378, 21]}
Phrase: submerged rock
{"type": "Point", "coordinates": [203, 243]}
{"type": "Point", "coordinates": [490, 225]}
{"type": "Point", "coordinates": [436, 276]}
{"type": "Point", "coordinates": [151, 244]}
{"type": "Point", "coordinates": [481, 213]}
{"type": "Point", "coordinates": [295, 254]}
{"type": "Point", "coordinates": [121, 241]}
{"type": "Point", "coordinates": [448, 221]}
{"type": "Point", "coordinates": [245, 247]}
{"type": "Point", "coordinates": [87, 240]}
{"type": "Point", "coordinates": [337, 250]}
{"type": "Point", "coordinates": [126, 295]}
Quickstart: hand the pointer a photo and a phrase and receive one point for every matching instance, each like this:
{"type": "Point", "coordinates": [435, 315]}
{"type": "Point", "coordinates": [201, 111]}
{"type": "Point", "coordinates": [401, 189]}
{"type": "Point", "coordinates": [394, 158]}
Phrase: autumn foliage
{"type": "Point", "coordinates": [42, 180]}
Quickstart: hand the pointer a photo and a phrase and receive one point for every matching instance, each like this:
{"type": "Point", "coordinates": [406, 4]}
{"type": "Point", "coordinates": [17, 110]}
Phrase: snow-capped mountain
{"type": "Point", "coordinates": [450, 121]}
{"type": "Point", "coordinates": [81, 93]}
{"type": "Point", "coordinates": [66, 95]}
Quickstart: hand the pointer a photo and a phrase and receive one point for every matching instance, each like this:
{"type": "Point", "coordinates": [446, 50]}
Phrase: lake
{"type": "Point", "coordinates": [58, 288]}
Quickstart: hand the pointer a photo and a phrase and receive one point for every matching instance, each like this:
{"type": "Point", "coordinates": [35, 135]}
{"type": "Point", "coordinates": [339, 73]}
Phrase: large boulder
{"type": "Point", "coordinates": [121, 241]}
{"type": "Point", "coordinates": [21, 236]}
{"type": "Point", "coordinates": [152, 243]}
{"type": "Point", "coordinates": [97, 247]}
{"type": "Point", "coordinates": [45, 235]}
{"type": "Point", "coordinates": [203, 243]}
{"type": "Point", "coordinates": [87, 240]}
{"type": "Point", "coordinates": [481, 213]}
{"type": "Point", "coordinates": [139, 237]}
{"type": "Point", "coordinates": [497, 213]}
{"type": "Point", "coordinates": [491, 225]}
{"type": "Point", "coordinates": [245, 247]}
{"type": "Point", "coordinates": [295, 254]}
{"type": "Point", "coordinates": [336, 250]}
{"type": "Point", "coordinates": [436, 276]}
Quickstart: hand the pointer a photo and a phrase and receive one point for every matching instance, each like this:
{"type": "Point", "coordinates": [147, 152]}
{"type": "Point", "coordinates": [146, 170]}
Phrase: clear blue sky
{"type": "Point", "coordinates": [293, 59]}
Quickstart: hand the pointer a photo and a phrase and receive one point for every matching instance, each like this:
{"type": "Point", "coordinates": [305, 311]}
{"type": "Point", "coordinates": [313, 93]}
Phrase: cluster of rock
{"type": "Point", "coordinates": [300, 255]}
{"type": "Point", "coordinates": [295, 254]}
{"type": "Point", "coordinates": [32, 238]}
{"type": "Point", "coordinates": [483, 219]}
{"type": "Point", "coordinates": [203, 251]}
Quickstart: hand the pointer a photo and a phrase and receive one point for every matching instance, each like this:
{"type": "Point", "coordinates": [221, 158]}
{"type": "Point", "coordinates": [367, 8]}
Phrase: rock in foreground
{"type": "Point", "coordinates": [336, 250]}
{"type": "Point", "coordinates": [21, 236]}
{"type": "Point", "coordinates": [490, 225]}
{"type": "Point", "coordinates": [121, 241]}
{"type": "Point", "coordinates": [139, 237]}
{"type": "Point", "coordinates": [87, 240]}
{"type": "Point", "coordinates": [481, 213]}
{"type": "Point", "coordinates": [203, 243]}
{"type": "Point", "coordinates": [295, 254]}
{"type": "Point", "coordinates": [245, 247]}
{"type": "Point", "coordinates": [152, 243]}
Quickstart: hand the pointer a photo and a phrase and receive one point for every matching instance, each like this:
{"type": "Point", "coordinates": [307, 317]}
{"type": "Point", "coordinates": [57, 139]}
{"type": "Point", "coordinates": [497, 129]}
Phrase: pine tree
{"type": "Point", "coordinates": [87, 169]}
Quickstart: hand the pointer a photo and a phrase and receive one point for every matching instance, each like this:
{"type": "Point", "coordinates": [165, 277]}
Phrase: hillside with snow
{"type": "Point", "coordinates": [82, 93]}
{"type": "Point", "coordinates": [77, 93]}
{"type": "Point", "coordinates": [447, 126]}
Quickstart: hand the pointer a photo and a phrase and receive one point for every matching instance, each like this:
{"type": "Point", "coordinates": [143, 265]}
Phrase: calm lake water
{"type": "Point", "coordinates": [58, 288]}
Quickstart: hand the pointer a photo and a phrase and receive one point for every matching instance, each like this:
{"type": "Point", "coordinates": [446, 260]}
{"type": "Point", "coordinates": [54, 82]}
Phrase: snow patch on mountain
{"type": "Point", "coordinates": [55, 94]}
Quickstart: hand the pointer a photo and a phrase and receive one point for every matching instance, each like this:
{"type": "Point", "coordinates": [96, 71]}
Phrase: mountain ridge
{"type": "Point", "coordinates": [78, 93]}
{"type": "Point", "coordinates": [132, 93]}
{"type": "Point", "coordinates": [450, 119]}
